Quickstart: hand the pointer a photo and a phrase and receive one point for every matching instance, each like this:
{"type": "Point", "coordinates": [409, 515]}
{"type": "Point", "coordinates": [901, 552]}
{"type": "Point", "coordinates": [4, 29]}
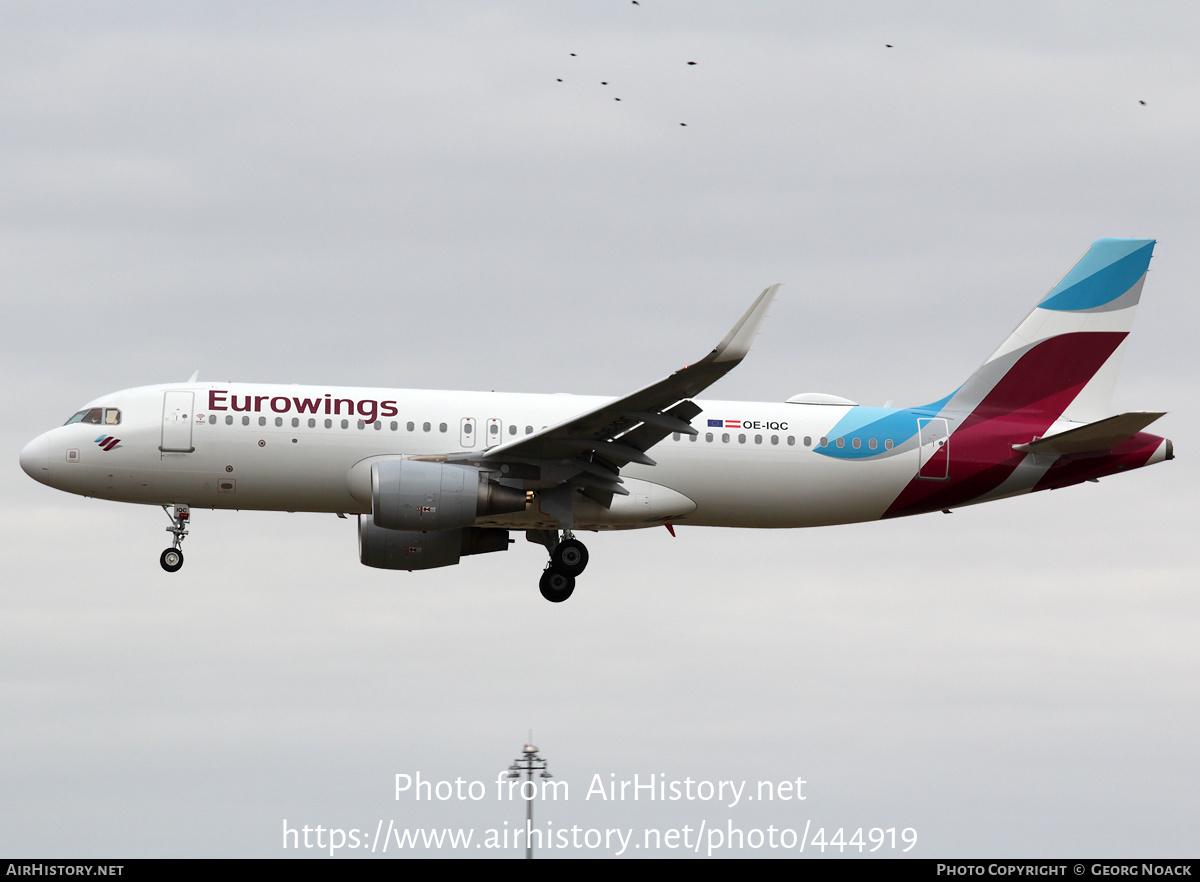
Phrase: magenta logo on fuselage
{"type": "Point", "coordinates": [367, 408]}
{"type": "Point", "coordinates": [107, 442]}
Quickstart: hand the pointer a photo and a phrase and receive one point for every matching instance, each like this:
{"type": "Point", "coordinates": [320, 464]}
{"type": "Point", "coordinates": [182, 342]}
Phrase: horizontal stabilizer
{"type": "Point", "coordinates": [1095, 437]}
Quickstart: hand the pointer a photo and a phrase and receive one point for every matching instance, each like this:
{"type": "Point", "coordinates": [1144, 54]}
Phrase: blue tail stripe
{"type": "Point", "coordinates": [1109, 269]}
{"type": "Point", "coordinates": [880, 423]}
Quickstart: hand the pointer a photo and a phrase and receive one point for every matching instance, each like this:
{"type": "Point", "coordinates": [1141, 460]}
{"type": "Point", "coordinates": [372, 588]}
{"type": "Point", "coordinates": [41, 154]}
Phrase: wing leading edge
{"type": "Point", "coordinates": [590, 449]}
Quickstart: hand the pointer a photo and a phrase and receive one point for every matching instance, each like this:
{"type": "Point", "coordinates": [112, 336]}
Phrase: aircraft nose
{"type": "Point", "coordinates": [35, 459]}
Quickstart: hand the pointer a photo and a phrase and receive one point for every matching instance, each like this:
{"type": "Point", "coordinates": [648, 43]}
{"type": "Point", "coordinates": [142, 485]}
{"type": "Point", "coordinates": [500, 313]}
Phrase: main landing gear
{"type": "Point", "coordinates": [172, 558]}
{"type": "Point", "coordinates": [568, 558]}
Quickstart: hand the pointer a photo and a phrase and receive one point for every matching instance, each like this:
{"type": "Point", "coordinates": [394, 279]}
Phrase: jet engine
{"type": "Point", "coordinates": [415, 550]}
{"type": "Point", "coordinates": [415, 495]}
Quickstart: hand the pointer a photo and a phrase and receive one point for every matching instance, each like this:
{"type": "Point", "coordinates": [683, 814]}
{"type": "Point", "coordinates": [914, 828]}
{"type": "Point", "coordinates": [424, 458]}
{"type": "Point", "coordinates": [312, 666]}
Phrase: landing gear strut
{"type": "Point", "coordinates": [568, 558]}
{"type": "Point", "coordinates": [172, 559]}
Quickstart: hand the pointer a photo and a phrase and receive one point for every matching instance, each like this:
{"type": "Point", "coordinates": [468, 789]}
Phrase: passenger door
{"type": "Point", "coordinates": [177, 422]}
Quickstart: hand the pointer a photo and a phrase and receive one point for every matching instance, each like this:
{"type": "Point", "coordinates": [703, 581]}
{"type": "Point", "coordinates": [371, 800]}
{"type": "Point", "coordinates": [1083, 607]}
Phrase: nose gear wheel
{"type": "Point", "coordinates": [172, 558]}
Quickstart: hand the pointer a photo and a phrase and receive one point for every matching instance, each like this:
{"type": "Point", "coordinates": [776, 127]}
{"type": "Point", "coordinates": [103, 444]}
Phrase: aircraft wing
{"type": "Point", "coordinates": [590, 449]}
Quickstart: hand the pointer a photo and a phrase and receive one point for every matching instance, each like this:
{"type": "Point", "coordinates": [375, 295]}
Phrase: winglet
{"type": "Point", "coordinates": [737, 342]}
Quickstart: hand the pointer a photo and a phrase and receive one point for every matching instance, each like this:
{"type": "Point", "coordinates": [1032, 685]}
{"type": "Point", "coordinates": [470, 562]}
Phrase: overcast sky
{"type": "Point", "coordinates": [405, 195]}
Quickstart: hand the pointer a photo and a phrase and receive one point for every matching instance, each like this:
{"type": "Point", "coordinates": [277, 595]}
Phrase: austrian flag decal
{"type": "Point", "coordinates": [769, 425]}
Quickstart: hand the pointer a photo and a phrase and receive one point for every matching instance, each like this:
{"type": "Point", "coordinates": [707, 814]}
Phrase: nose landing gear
{"type": "Point", "coordinates": [172, 559]}
{"type": "Point", "coordinates": [568, 558]}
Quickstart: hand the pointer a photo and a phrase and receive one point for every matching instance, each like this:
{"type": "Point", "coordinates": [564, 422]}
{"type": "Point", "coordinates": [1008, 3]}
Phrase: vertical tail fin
{"type": "Point", "coordinates": [1062, 361]}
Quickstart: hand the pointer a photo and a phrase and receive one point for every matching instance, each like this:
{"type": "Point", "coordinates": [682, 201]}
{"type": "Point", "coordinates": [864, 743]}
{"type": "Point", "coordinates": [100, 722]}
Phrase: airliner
{"type": "Point", "coordinates": [433, 477]}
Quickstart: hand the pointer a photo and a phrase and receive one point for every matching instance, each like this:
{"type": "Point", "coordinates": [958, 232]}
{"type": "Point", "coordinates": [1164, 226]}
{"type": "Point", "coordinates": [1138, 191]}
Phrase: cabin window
{"type": "Point", "coordinates": [824, 442]}
{"type": "Point", "coordinates": [708, 436]}
{"type": "Point", "coordinates": [741, 439]}
{"type": "Point", "coordinates": [758, 439]}
{"type": "Point", "coordinates": [278, 422]}
{"type": "Point", "coordinates": [212, 419]}
{"type": "Point", "coordinates": [394, 425]}
{"type": "Point", "coordinates": [312, 424]}
{"type": "Point", "coordinates": [361, 424]}
{"type": "Point", "coordinates": [808, 440]}
{"type": "Point", "coordinates": [426, 427]}
{"type": "Point", "coordinates": [512, 430]}
{"type": "Point", "coordinates": [856, 443]}
{"type": "Point", "coordinates": [345, 424]}
{"type": "Point", "coordinates": [675, 436]}
{"type": "Point", "coordinates": [229, 420]}
{"type": "Point", "coordinates": [494, 429]}
{"type": "Point", "coordinates": [245, 421]}
{"type": "Point", "coordinates": [792, 441]}
{"type": "Point", "coordinates": [529, 430]}
{"type": "Point", "coordinates": [295, 422]}
{"type": "Point", "coordinates": [774, 439]}
{"type": "Point", "coordinates": [695, 437]}
{"type": "Point", "coordinates": [441, 427]}
{"type": "Point", "coordinates": [888, 443]}
{"type": "Point", "coordinates": [725, 438]}
{"type": "Point", "coordinates": [411, 427]}
{"type": "Point", "coordinates": [872, 443]}
{"type": "Point", "coordinates": [329, 424]}
{"type": "Point", "coordinates": [262, 421]}
{"type": "Point", "coordinates": [841, 442]}
{"type": "Point", "coordinates": [378, 425]}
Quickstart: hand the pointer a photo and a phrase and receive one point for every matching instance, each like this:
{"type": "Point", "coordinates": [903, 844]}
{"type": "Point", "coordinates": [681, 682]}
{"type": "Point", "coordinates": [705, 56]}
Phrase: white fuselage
{"type": "Point", "coordinates": [428, 473]}
{"type": "Point", "coordinates": [296, 448]}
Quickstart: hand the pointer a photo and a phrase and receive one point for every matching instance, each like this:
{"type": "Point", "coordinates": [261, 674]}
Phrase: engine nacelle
{"type": "Point", "coordinates": [414, 550]}
{"type": "Point", "coordinates": [416, 495]}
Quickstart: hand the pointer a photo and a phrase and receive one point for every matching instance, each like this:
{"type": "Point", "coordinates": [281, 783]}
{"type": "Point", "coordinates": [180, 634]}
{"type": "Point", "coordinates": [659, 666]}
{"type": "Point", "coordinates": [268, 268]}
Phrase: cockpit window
{"type": "Point", "coordinates": [100, 416]}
